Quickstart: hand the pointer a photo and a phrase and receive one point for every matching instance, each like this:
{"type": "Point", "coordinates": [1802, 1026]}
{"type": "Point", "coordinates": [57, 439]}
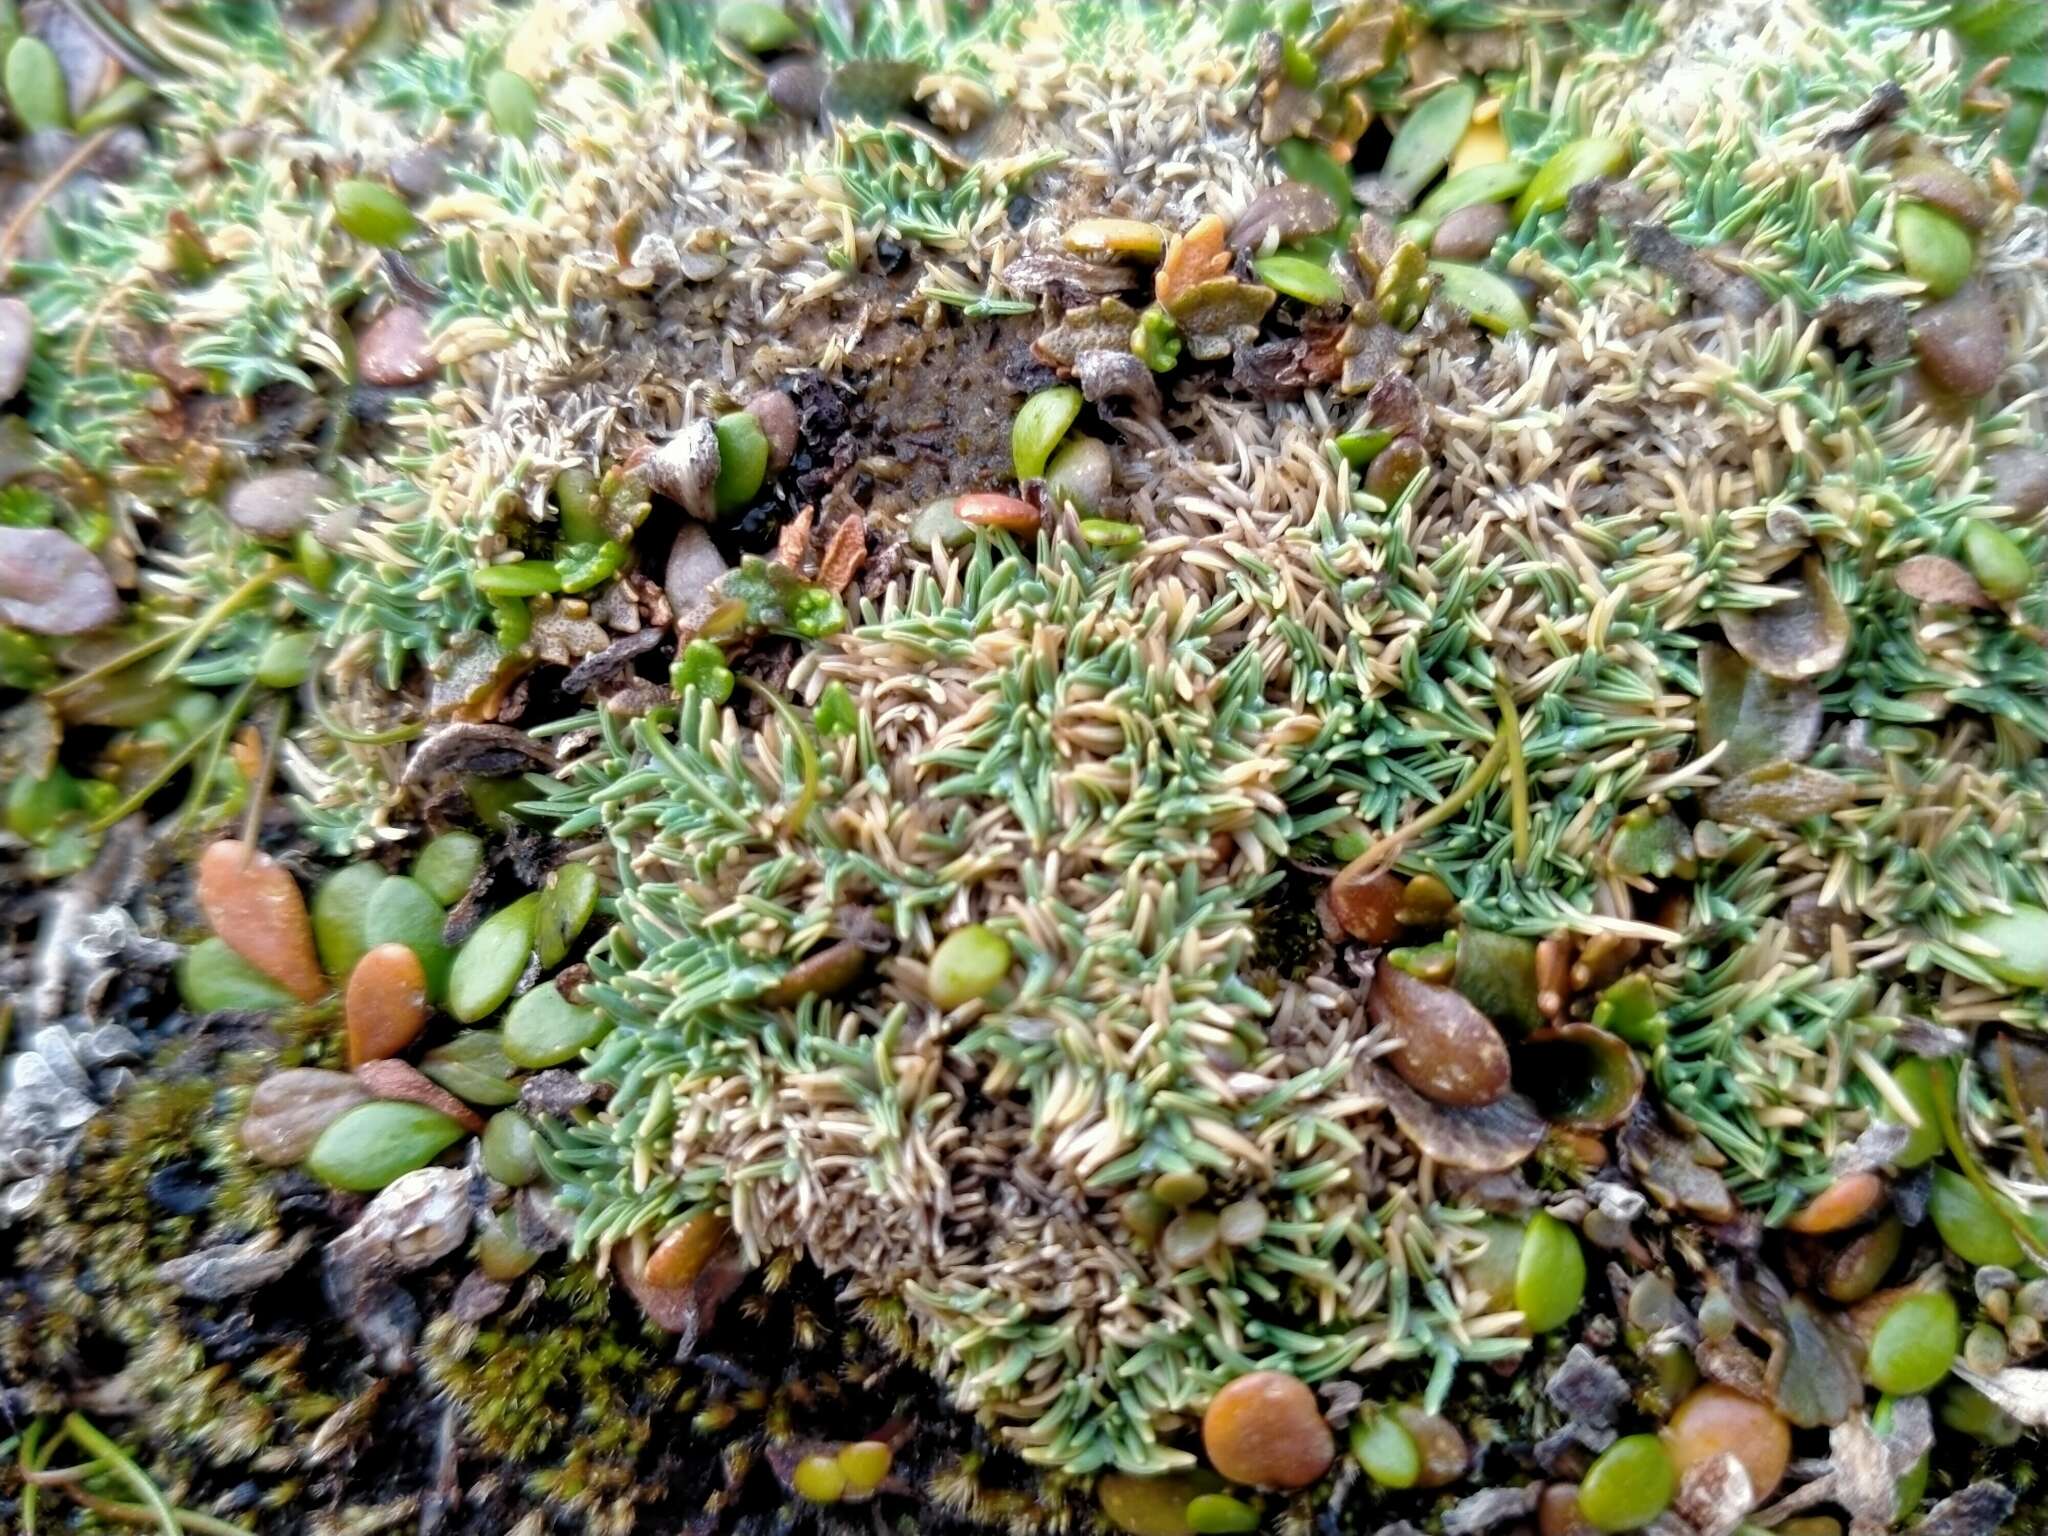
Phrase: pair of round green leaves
{"type": "Point", "coordinates": [540, 925]}
{"type": "Point", "coordinates": [1538, 1269]}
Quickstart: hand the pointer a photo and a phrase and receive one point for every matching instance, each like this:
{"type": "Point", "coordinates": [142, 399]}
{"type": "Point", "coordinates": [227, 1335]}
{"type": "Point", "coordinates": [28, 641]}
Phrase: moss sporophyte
{"type": "Point", "coordinates": [1033, 763]}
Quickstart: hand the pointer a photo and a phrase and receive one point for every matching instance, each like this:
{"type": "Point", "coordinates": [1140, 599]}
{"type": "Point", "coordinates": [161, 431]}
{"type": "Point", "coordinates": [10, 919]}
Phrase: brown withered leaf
{"type": "Point", "coordinates": [1066, 280]}
{"type": "Point", "coordinates": [1665, 1163]}
{"type": "Point", "coordinates": [1939, 582]}
{"type": "Point", "coordinates": [845, 552]}
{"type": "Point", "coordinates": [1490, 1139]}
{"type": "Point", "coordinates": [1882, 105]}
{"type": "Point", "coordinates": [1198, 256]}
{"type": "Point", "coordinates": [1801, 637]}
{"type": "Point", "coordinates": [1978, 1510]}
{"type": "Point", "coordinates": [1116, 375]}
{"type": "Point", "coordinates": [1778, 795]}
{"type": "Point", "coordinates": [1105, 326]}
{"type": "Point", "coordinates": [466, 750]}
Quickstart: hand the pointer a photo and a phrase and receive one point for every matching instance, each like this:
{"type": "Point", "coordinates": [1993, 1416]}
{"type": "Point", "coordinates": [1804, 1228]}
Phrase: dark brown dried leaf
{"type": "Point", "coordinates": [1878, 326]}
{"type": "Point", "coordinates": [1670, 1171]}
{"type": "Point", "coordinates": [1714, 1495]}
{"type": "Point", "coordinates": [1492, 1139]}
{"type": "Point", "coordinates": [464, 750]}
{"type": "Point", "coordinates": [558, 1092]}
{"type": "Point", "coordinates": [1979, 1510]}
{"type": "Point", "coordinates": [1449, 1050]}
{"type": "Point", "coordinates": [230, 1269]}
{"type": "Point", "coordinates": [1883, 104]}
{"type": "Point", "coordinates": [614, 659]}
{"type": "Point", "coordinates": [1713, 285]}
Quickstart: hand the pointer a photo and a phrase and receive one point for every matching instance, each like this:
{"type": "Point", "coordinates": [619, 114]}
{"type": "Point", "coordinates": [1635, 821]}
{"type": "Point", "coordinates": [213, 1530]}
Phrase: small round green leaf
{"type": "Point", "coordinates": [374, 1143]}
{"type": "Point", "coordinates": [513, 104]}
{"type": "Point", "coordinates": [545, 1029]}
{"type": "Point", "coordinates": [1039, 426]}
{"type": "Point", "coordinates": [373, 213]}
{"type": "Point", "coordinates": [36, 91]}
{"type": "Point", "coordinates": [492, 959]}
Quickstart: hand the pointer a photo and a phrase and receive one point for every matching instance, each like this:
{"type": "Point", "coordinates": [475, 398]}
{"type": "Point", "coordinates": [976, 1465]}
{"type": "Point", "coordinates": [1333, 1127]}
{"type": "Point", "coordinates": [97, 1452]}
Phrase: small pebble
{"type": "Point", "coordinates": [1717, 1419]}
{"type": "Point", "coordinates": [1961, 342]}
{"type": "Point", "coordinates": [50, 584]}
{"type": "Point", "coordinates": [1469, 234]}
{"type": "Point", "coordinates": [17, 345]}
{"type": "Point", "coordinates": [395, 349]}
{"type": "Point", "coordinates": [694, 568]}
{"type": "Point", "coordinates": [1267, 1430]}
{"type": "Point", "coordinates": [2019, 478]}
{"type": "Point", "coordinates": [775, 413]}
{"type": "Point", "coordinates": [797, 87]}
{"type": "Point", "coordinates": [288, 1110]}
{"type": "Point", "coordinates": [419, 173]}
{"type": "Point", "coordinates": [277, 505]}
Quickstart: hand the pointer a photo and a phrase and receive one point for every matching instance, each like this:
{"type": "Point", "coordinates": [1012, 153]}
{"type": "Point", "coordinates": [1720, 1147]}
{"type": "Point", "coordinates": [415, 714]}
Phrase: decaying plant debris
{"type": "Point", "coordinates": [961, 766]}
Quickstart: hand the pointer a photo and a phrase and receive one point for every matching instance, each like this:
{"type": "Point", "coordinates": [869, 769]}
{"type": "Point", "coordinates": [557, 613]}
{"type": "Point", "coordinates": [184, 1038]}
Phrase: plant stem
{"type": "Point", "coordinates": [2009, 1080]}
{"type": "Point", "coordinates": [195, 796]}
{"type": "Point", "coordinates": [252, 813]}
{"type": "Point", "coordinates": [71, 1474]}
{"type": "Point", "coordinates": [178, 759]}
{"type": "Point", "coordinates": [44, 190]}
{"type": "Point", "coordinates": [1952, 1133]}
{"type": "Point", "coordinates": [189, 1520]}
{"type": "Point", "coordinates": [798, 813]}
{"type": "Point", "coordinates": [333, 727]}
{"type": "Point", "coordinates": [1388, 848]}
{"type": "Point", "coordinates": [147, 1493]}
{"type": "Point", "coordinates": [209, 621]}
{"type": "Point", "coordinates": [1518, 773]}
{"type": "Point", "coordinates": [113, 664]}
{"type": "Point", "coordinates": [34, 1457]}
